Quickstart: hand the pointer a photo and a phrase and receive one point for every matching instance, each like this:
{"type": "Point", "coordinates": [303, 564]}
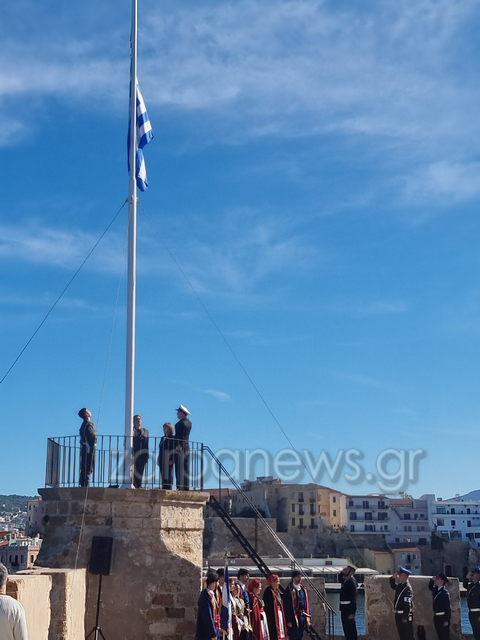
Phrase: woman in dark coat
{"type": "Point", "coordinates": [272, 597]}
{"type": "Point", "coordinates": [166, 456]}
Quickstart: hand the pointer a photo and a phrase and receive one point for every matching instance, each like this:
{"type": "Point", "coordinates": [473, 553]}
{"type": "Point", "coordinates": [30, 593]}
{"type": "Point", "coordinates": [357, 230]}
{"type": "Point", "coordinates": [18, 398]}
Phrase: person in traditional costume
{"type": "Point", "coordinates": [296, 607]}
{"type": "Point", "coordinates": [273, 604]}
{"type": "Point", "coordinates": [243, 576]}
{"type": "Point", "coordinates": [219, 589]}
{"type": "Point", "coordinates": [258, 621]}
{"type": "Point", "coordinates": [240, 624]}
{"type": "Point", "coordinates": [208, 618]}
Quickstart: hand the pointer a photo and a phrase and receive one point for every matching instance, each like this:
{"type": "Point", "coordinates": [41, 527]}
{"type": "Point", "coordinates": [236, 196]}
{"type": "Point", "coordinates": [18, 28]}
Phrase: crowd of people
{"type": "Point", "coordinates": [277, 614]}
{"type": "Point", "coordinates": [173, 455]}
{"type": "Point", "coordinates": [280, 613]}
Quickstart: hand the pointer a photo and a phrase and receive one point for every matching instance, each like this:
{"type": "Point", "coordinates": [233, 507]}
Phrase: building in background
{"type": "Point", "coordinates": [368, 514]}
{"type": "Point", "coordinates": [18, 552]}
{"type": "Point", "coordinates": [456, 519]}
{"type": "Point", "coordinates": [35, 515]}
{"type": "Point", "coordinates": [409, 520]}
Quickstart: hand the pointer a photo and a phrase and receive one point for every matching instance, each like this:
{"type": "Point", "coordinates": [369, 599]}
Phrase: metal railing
{"type": "Point", "coordinates": [159, 463]}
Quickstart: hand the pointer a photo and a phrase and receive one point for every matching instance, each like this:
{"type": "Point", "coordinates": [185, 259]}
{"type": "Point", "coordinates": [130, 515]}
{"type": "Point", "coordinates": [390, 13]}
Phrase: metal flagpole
{"type": "Point", "coordinates": [132, 259]}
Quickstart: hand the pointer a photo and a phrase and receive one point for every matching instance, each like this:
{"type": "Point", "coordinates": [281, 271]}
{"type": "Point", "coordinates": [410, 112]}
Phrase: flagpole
{"type": "Point", "coordinates": [132, 260]}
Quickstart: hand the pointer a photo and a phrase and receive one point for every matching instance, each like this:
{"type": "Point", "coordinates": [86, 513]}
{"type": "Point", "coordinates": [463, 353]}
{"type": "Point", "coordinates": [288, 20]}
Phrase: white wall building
{"type": "Point", "coordinates": [457, 519]}
{"type": "Point", "coordinates": [409, 519]}
{"type": "Point", "coordinates": [368, 514]}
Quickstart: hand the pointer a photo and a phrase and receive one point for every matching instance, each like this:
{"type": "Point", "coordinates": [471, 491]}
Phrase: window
{"type": "Point", "coordinates": [441, 510]}
{"type": "Point", "coordinates": [352, 528]}
{"type": "Point", "coordinates": [381, 504]}
{"type": "Point", "coordinates": [350, 503]}
{"type": "Point", "coordinates": [452, 510]}
{"type": "Point", "coordinates": [477, 535]}
{"type": "Point", "coordinates": [383, 515]}
{"type": "Point", "coordinates": [312, 509]}
{"type": "Point", "coordinates": [353, 515]}
{"type": "Point", "coordinates": [334, 513]}
{"type": "Point", "coordinates": [293, 522]}
{"type": "Point", "coordinates": [452, 523]}
{"type": "Point", "coordinates": [468, 510]}
{"type": "Point", "coordinates": [312, 522]}
{"type": "Point", "coordinates": [334, 499]}
{"type": "Point", "coordinates": [300, 496]}
{"type": "Point", "coordinates": [32, 559]}
{"type": "Point", "coordinates": [440, 522]}
{"type": "Point", "coordinates": [407, 527]}
{"type": "Point", "coordinates": [406, 516]}
{"type": "Point", "coordinates": [469, 523]}
{"type": "Point", "coordinates": [300, 522]}
{"type": "Point", "coordinates": [365, 504]}
{"type": "Point", "coordinates": [293, 507]}
{"type": "Point", "coordinates": [368, 515]}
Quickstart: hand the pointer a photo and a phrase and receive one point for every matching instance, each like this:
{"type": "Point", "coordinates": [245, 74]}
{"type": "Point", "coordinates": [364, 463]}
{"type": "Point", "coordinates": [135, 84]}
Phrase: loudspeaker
{"type": "Point", "coordinates": [101, 556]}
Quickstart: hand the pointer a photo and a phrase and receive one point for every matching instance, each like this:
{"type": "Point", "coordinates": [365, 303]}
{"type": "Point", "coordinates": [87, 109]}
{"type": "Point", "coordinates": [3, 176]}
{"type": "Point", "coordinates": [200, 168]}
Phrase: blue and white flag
{"type": "Point", "coordinates": [226, 617]}
{"type": "Point", "coordinates": [143, 137]}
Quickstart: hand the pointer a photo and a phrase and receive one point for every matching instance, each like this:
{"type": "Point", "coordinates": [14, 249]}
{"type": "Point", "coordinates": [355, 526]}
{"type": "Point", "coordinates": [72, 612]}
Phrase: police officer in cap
{"type": "Point", "coordinates": [441, 606]}
{"type": "Point", "coordinates": [348, 602]}
{"type": "Point", "coordinates": [182, 448]}
{"type": "Point", "coordinates": [472, 585]}
{"type": "Point", "coordinates": [403, 603]}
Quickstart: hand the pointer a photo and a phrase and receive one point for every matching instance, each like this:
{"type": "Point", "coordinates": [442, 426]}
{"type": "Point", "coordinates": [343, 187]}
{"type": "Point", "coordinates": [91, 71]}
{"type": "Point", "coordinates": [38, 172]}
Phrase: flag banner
{"type": "Point", "coordinates": [226, 618]}
{"type": "Point", "coordinates": [143, 137]}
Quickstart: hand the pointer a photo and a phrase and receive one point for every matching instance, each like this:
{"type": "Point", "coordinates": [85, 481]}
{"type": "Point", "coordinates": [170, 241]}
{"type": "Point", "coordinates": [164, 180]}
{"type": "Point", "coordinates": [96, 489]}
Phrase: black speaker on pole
{"type": "Point", "coordinates": [101, 556]}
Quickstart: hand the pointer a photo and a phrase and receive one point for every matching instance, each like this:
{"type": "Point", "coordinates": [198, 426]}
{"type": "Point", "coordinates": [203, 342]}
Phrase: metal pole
{"type": "Point", "coordinates": [132, 260]}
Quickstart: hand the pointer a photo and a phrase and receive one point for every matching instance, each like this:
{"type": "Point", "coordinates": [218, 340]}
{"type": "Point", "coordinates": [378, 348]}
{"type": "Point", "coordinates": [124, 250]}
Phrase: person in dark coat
{"type": "Point", "coordinates": [140, 450]}
{"type": "Point", "coordinates": [472, 585]}
{"type": "Point", "coordinates": [403, 603]}
{"type": "Point", "coordinates": [208, 617]}
{"type": "Point", "coordinates": [243, 577]}
{"type": "Point", "coordinates": [182, 458]}
{"type": "Point", "coordinates": [88, 441]}
{"type": "Point", "coordinates": [348, 602]}
{"type": "Point", "coordinates": [296, 607]}
{"type": "Point", "coordinates": [273, 604]}
{"type": "Point", "coordinates": [166, 456]}
{"type": "Point", "coordinates": [441, 606]}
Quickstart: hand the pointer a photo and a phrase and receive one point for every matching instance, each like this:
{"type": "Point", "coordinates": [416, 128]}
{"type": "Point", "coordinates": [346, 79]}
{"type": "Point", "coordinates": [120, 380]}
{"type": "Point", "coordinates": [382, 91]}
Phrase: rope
{"type": "Point", "coordinates": [61, 295]}
{"type": "Point", "coordinates": [242, 367]}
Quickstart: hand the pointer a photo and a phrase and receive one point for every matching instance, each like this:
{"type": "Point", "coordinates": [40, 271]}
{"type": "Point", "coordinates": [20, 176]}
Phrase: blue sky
{"type": "Point", "coordinates": [315, 172]}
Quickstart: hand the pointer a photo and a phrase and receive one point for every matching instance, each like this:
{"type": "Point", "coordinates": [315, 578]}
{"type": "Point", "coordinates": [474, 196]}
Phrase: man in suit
{"type": "Point", "coordinates": [88, 441]}
{"type": "Point", "coordinates": [208, 618]}
{"type": "Point", "coordinates": [403, 603]}
{"type": "Point", "coordinates": [140, 450]}
{"type": "Point", "coordinates": [348, 602]}
{"type": "Point", "coordinates": [182, 448]}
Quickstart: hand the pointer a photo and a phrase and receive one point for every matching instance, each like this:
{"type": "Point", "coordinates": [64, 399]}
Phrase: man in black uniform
{"type": "Point", "coordinates": [182, 448]}
{"type": "Point", "coordinates": [88, 440]}
{"type": "Point", "coordinates": [403, 603]}
{"type": "Point", "coordinates": [140, 450]}
{"type": "Point", "coordinates": [472, 585]}
{"type": "Point", "coordinates": [441, 606]}
{"type": "Point", "coordinates": [348, 602]}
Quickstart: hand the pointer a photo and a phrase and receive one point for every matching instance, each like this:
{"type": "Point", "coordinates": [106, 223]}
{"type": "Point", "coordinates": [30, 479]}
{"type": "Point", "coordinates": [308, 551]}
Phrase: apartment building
{"type": "Point", "coordinates": [409, 519]}
{"type": "Point", "coordinates": [456, 519]}
{"type": "Point", "coordinates": [368, 514]}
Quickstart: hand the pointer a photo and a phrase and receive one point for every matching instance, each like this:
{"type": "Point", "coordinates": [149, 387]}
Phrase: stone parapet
{"type": "Point", "coordinates": [379, 616]}
{"type": "Point", "coordinates": [156, 579]}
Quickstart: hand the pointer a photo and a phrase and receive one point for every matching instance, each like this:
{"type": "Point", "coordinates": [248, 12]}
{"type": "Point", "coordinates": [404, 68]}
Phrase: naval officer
{"type": "Point", "coordinates": [403, 603]}
{"type": "Point", "coordinates": [182, 448]}
{"type": "Point", "coordinates": [441, 606]}
{"type": "Point", "coordinates": [348, 602]}
{"type": "Point", "coordinates": [472, 585]}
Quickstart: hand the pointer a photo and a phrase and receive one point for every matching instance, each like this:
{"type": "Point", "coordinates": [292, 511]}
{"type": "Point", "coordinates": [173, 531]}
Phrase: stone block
{"type": "Point", "coordinates": [173, 612]}
{"type": "Point", "coordinates": [185, 628]}
{"type": "Point", "coordinates": [164, 599]}
{"type": "Point", "coordinates": [156, 614]}
{"type": "Point", "coordinates": [131, 510]}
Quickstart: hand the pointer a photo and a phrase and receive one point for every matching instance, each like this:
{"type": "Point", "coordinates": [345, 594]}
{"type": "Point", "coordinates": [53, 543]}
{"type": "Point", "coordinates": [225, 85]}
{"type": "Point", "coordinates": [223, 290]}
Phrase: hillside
{"type": "Point", "coordinates": [13, 503]}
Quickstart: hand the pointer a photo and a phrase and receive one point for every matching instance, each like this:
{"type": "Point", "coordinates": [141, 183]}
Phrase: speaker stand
{"type": "Point", "coordinates": [97, 631]}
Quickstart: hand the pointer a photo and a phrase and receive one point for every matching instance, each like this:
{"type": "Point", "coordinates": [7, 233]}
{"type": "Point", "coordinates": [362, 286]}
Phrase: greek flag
{"type": "Point", "coordinates": [144, 135]}
{"type": "Point", "coordinates": [226, 617]}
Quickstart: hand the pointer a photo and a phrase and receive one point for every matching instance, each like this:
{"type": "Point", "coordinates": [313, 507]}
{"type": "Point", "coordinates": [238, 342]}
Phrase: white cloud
{"type": "Point", "coordinates": [219, 395]}
{"type": "Point", "coordinates": [444, 182]}
{"type": "Point", "coordinates": [266, 67]}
